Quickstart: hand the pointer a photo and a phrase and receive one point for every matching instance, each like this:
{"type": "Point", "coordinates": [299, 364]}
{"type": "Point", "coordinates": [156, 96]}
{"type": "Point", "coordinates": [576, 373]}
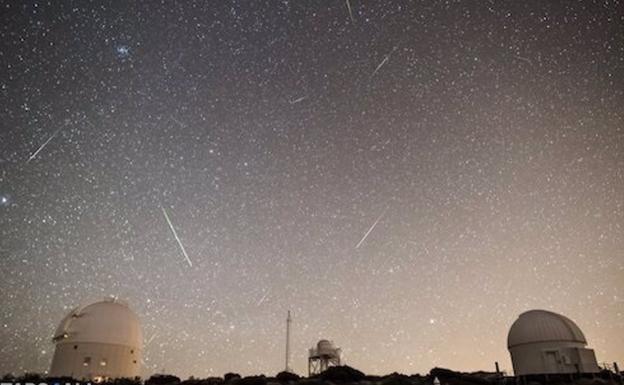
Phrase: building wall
{"type": "Point", "coordinates": [552, 357]}
{"type": "Point", "coordinates": [70, 359]}
{"type": "Point", "coordinates": [588, 362]}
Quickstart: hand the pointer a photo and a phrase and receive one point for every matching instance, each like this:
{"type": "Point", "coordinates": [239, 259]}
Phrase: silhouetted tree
{"type": "Point", "coordinates": [341, 374]}
{"type": "Point", "coordinates": [228, 377]}
{"type": "Point", "coordinates": [447, 376]}
{"type": "Point", "coordinates": [212, 381]}
{"type": "Point", "coordinates": [206, 381]}
{"type": "Point", "coordinates": [61, 380]}
{"type": "Point", "coordinates": [396, 379]}
{"type": "Point", "coordinates": [115, 381]}
{"type": "Point", "coordinates": [443, 374]}
{"type": "Point", "coordinates": [30, 377]}
{"type": "Point", "coordinates": [163, 379]}
{"type": "Point", "coordinates": [286, 377]}
{"type": "Point", "coordinates": [253, 380]}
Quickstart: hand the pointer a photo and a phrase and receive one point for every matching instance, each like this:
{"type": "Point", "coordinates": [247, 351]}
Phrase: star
{"type": "Point", "coordinates": [122, 51]}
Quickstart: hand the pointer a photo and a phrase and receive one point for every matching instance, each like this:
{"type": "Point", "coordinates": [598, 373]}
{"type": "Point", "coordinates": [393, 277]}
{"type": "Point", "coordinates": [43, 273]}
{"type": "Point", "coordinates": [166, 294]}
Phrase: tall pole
{"type": "Point", "coordinates": [288, 321]}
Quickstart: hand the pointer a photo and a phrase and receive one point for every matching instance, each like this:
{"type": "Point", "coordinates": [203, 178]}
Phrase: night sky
{"type": "Point", "coordinates": [406, 177]}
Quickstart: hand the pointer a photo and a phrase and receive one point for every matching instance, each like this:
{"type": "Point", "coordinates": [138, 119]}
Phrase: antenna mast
{"type": "Point", "coordinates": [288, 322]}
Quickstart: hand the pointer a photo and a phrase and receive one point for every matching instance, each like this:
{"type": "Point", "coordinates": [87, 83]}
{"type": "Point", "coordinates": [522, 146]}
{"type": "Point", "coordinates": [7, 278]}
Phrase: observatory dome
{"type": "Point", "coordinates": [110, 321]}
{"type": "Point", "coordinates": [542, 342]}
{"type": "Point", "coordinates": [324, 355]}
{"type": "Point", "coordinates": [325, 345]}
{"type": "Point", "coordinates": [99, 341]}
{"type": "Point", "coordinates": [541, 326]}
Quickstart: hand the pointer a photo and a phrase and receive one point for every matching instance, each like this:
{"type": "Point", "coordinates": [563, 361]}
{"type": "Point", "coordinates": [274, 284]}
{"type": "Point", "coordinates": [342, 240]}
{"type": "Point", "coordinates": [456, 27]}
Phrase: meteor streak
{"type": "Point", "coordinates": [151, 339]}
{"type": "Point", "coordinates": [297, 100]}
{"type": "Point", "coordinates": [371, 229]}
{"type": "Point", "coordinates": [263, 298]}
{"type": "Point", "coordinates": [350, 11]}
{"type": "Point", "coordinates": [42, 146]}
{"type": "Point", "coordinates": [176, 237]}
{"type": "Point", "coordinates": [384, 61]}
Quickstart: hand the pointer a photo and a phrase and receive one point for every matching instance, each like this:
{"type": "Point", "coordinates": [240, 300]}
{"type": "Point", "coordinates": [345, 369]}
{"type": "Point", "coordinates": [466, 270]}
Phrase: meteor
{"type": "Point", "coordinates": [263, 298]}
{"type": "Point", "coordinates": [34, 154]}
{"type": "Point", "coordinates": [175, 234]}
{"type": "Point", "coordinates": [371, 229]}
{"type": "Point", "coordinates": [350, 11]}
{"type": "Point", "coordinates": [297, 100]}
{"type": "Point", "coordinates": [384, 61]}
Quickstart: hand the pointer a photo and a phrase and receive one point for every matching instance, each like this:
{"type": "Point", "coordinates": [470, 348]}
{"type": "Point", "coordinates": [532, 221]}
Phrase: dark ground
{"type": "Point", "coordinates": [346, 375]}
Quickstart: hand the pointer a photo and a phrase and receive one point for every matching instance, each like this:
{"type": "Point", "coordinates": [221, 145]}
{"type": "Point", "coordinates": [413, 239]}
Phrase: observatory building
{"type": "Point", "coordinates": [321, 357]}
{"type": "Point", "coordinates": [543, 342]}
{"type": "Point", "coordinates": [99, 341]}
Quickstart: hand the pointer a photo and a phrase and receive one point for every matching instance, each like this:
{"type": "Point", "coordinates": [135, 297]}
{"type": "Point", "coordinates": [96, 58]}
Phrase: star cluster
{"type": "Point", "coordinates": [405, 176]}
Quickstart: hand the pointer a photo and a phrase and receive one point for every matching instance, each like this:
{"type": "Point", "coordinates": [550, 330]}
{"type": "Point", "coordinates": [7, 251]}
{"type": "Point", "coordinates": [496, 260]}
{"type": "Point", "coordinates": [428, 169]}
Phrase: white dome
{"type": "Point", "coordinates": [327, 348]}
{"type": "Point", "coordinates": [108, 322]}
{"type": "Point", "coordinates": [541, 326]}
{"type": "Point", "coordinates": [325, 344]}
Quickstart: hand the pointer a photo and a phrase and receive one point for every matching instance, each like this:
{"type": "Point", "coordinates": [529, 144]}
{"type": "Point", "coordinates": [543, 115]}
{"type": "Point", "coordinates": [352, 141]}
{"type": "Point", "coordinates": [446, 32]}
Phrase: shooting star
{"type": "Point", "coordinates": [151, 339]}
{"type": "Point", "coordinates": [371, 229]}
{"type": "Point", "coordinates": [263, 298]}
{"type": "Point", "coordinates": [297, 100]}
{"type": "Point", "coordinates": [176, 237]}
{"type": "Point", "coordinates": [350, 11]}
{"type": "Point", "coordinates": [42, 146]}
{"type": "Point", "coordinates": [524, 59]}
{"type": "Point", "coordinates": [383, 62]}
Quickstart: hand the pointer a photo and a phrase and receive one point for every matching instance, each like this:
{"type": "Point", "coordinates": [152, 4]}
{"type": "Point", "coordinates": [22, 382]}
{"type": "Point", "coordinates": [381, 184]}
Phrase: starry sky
{"type": "Point", "coordinates": [405, 176]}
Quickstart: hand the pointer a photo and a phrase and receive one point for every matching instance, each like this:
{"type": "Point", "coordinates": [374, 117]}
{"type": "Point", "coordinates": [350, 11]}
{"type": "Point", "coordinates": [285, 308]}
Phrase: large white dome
{"type": "Point", "coordinates": [541, 326]}
{"type": "Point", "coordinates": [109, 322]}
